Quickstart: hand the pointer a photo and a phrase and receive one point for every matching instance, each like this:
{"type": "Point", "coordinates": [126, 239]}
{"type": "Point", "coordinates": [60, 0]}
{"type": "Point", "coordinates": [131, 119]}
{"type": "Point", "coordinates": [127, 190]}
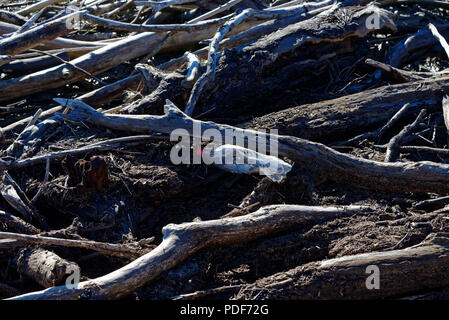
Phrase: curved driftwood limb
{"type": "Point", "coordinates": [44, 267]}
{"type": "Point", "coordinates": [328, 163]}
{"type": "Point", "coordinates": [119, 250]}
{"type": "Point", "coordinates": [182, 240]}
{"type": "Point", "coordinates": [401, 272]}
{"type": "Point", "coordinates": [393, 146]}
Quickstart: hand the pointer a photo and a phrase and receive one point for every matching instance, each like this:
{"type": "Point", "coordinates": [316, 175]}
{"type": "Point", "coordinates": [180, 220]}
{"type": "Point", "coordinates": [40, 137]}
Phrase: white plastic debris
{"type": "Point", "coordinates": [241, 160]}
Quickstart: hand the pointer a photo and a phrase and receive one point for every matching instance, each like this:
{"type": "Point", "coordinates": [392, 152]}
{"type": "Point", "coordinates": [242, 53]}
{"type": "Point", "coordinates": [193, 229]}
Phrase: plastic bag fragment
{"type": "Point", "coordinates": [241, 160]}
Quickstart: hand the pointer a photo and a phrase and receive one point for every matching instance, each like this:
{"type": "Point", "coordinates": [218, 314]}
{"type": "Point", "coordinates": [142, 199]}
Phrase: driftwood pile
{"type": "Point", "coordinates": [91, 91]}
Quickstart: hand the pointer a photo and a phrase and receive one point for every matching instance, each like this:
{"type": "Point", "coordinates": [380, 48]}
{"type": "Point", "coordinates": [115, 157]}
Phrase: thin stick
{"type": "Point", "coordinates": [215, 11]}
{"type": "Point", "coordinates": [71, 65]}
{"type": "Point", "coordinates": [394, 119]}
{"type": "Point", "coordinates": [42, 188]}
{"type": "Point", "coordinates": [122, 26]}
{"type": "Point", "coordinates": [99, 146]}
{"type": "Point", "coordinates": [158, 5]}
{"type": "Point", "coordinates": [28, 119]}
{"type": "Point", "coordinates": [212, 58]}
{"type": "Point", "coordinates": [113, 249]}
{"type": "Point", "coordinates": [207, 292]}
{"type": "Point", "coordinates": [394, 144]}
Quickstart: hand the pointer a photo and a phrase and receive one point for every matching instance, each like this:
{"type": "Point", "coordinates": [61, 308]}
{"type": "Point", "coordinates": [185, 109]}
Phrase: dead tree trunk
{"type": "Point", "coordinates": [347, 116]}
{"type": "Point", "coordinates": [400, 272]}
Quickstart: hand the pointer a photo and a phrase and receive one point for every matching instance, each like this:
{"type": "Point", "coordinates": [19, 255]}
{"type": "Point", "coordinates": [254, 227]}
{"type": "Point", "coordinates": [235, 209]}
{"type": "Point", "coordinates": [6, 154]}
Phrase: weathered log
{"type": "Point", "coordinates": [20, 67]}
{"type": "Point", "coordinates": [347, 116]}
{"type": "Point", "coordinates": [153, 102]}
{"type": "Point", "coordinates": [17, 224]}
{"type": "Point", "coordinates": [404, 75]}
{"type": "Point", "coordinates": [12, 17]}
{"type": "Point", "coordinates": [44, 267]}
{"type": "Point", "coordinates": [57, 43]}
{"type": "Point", "coordinates": [18, 43]}
{"type": "Point", "coordinates": [103, 59]}
{"type": "Point", "coordinates": [325, 162]}
{"type": "Point", "coordinates": [415, 45]}
{"type": "Point", "coordinates": [247, 36]}
{"type": "Point", "coordinates": [401, 272]}
{"type": "Point", "coordinates": [181, 241]}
